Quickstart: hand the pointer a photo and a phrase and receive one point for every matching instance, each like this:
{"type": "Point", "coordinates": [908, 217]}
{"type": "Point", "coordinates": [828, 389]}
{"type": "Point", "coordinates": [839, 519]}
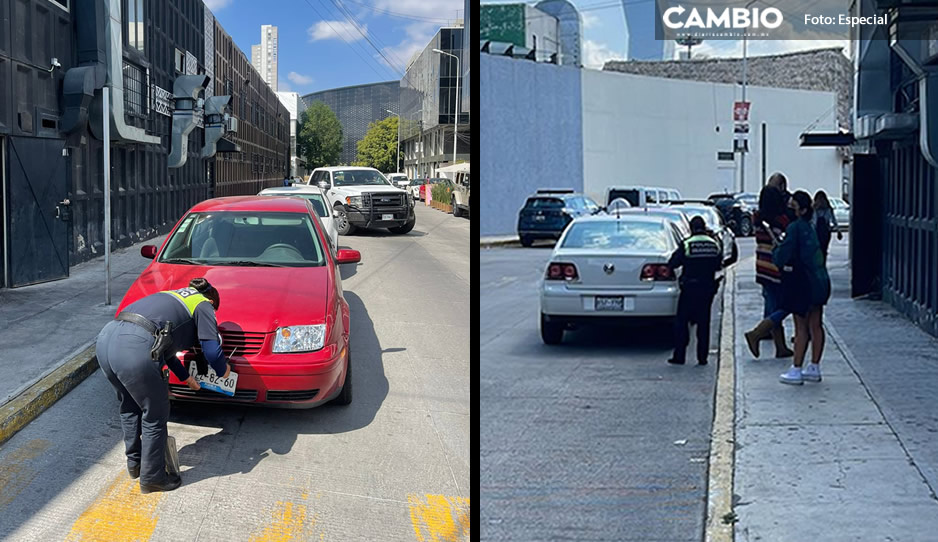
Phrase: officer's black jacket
{"type": "Point", "coordinates": [701, 257]}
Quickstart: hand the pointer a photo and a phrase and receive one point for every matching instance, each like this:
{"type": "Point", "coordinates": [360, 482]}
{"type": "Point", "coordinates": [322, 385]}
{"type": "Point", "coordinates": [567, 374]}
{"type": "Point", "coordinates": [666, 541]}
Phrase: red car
{"type": "Point", "coordinates": [282, 318]}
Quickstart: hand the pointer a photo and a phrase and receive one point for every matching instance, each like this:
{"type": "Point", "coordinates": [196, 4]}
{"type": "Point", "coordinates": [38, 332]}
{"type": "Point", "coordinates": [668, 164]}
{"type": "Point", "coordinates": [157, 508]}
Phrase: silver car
{"type": "Point", "coordinates": [841, 213]}
{"type": "Point", "coordinates": [315, 196]}
{"type": "Point", "coordinates": [607, 267]}
{"type": "Point", "coordinates": [715, 224]}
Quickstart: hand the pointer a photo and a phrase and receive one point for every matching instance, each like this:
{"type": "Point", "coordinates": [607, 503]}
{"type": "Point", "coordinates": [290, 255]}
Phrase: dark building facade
{"type": "Point", "coordinates": [357, 107]}
{"type": "Point", "coordinates": [428, 107]}
{"type": "Point", "coordinates": [894, 196]}
{"type": "Point", "coordinates": [51, 133]}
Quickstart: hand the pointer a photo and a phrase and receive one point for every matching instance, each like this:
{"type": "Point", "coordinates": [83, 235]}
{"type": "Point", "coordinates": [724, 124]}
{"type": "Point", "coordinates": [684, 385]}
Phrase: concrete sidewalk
{"type": "Point", "coordinates": [849, 458]}
{"type": "Point", "coordinates": [498, 241]}
{"type": "Point", "coordinates": [45, 325]}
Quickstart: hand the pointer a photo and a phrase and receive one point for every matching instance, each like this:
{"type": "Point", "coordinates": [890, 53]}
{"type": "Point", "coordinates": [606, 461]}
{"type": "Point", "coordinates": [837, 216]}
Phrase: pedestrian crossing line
{"type": "Point", "coordinates": [16, 472]}
{"type": "Point", "coordinates": [439, 518]}
{"type": "Point", "coordinates": [120, 513]}
{"type": "Point", "coordinates": [289, 523]}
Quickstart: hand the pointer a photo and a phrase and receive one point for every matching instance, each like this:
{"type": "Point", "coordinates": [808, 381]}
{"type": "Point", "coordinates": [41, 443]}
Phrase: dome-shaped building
{"type": "Point", "coordinates": [570, 29]}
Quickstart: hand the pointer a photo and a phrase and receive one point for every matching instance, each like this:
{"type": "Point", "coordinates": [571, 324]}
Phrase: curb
{"type": "Point", "coordinates": [28, 405]}
{"type": "Point", "coordinates": [720, 515]}
{"type": "Point", "coordinates": [499, 243]}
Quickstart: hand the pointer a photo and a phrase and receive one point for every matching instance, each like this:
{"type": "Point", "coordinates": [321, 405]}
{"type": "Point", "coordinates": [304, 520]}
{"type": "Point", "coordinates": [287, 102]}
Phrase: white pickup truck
{"type": "Point", "coordinates": [363, 198]}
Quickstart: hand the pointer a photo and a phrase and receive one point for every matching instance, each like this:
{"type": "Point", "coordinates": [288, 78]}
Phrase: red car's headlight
{"type": "Point", "coordinates": [299, 338]}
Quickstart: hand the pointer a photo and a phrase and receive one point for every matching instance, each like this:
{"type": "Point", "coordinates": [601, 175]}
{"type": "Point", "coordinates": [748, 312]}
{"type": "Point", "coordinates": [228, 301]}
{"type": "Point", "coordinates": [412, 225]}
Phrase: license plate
{"type": "Point", "coordinates": [213, 382]}
{"type": "Point", "coordinates": [387, 217]}
{"type": "Point", "coordinates": [613, 303]}
{"type": "Point", "coordinates": [540, 217]}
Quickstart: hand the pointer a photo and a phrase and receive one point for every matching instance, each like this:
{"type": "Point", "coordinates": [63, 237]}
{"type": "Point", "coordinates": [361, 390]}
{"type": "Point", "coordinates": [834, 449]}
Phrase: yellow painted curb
{"type": "Point", "coordinates": [27, 406]}
{"type": "Point", "coordinates": [720, 515]}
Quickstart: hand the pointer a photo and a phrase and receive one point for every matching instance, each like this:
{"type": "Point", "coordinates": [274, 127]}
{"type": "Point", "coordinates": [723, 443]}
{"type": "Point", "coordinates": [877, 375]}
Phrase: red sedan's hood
{"type": "Point", "coordinates": [257, 299]}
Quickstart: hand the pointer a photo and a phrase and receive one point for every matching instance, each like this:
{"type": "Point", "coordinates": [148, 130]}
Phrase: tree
{"type": "Point", "coordinates": [319, 140]}
{"type": "Point", "coordinates": [379, 145]}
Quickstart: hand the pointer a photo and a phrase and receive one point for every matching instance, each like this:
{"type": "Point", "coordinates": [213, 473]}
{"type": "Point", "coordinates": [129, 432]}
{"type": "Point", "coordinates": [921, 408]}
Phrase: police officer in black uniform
{"type": "Point", "coordinates": [132, 350]}
{"type": "Point", "coordinates": [701, 257]}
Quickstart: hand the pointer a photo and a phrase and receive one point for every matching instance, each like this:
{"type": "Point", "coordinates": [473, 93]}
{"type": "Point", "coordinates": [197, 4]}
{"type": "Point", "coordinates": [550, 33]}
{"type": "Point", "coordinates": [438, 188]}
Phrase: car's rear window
{"type": "Point", "coordinates": [619, 234]}
{"type": "Point", "coordinates": [543, 203]}
{"type": "Point", "coordinates": [277, 239]}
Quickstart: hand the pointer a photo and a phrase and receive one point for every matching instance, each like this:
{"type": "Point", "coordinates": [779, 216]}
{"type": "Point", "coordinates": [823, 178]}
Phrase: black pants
{"type": "Point", "coordinates": [693, 307]}
{"type": "Point", "coordinates": [123, 351]}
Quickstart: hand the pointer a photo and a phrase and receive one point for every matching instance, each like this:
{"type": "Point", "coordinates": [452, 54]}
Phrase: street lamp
{"type": "Point", "coordinates": [742, 154]}
{"type": "Point", "coordinates": [456, 111]}
{"type": "Point", "coordinates": [397, 157]}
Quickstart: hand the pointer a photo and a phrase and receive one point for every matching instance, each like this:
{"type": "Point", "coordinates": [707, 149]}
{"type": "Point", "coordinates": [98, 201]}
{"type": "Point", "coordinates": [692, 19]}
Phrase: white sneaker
{"type": "Point", "coordinates": [792, 376]}
{"type": "Point", "coordinates": [811, 372]}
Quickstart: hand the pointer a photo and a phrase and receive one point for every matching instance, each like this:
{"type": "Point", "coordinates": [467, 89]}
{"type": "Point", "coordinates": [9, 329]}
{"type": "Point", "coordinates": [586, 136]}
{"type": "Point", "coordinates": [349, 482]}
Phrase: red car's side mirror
{"type": "Point", "coordinates": [348, 256]}
{"type": "Point", "coordinates": [148, 251]}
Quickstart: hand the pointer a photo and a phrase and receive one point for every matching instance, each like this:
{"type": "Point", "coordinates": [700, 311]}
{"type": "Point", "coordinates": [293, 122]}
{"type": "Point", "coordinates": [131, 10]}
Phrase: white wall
{"type": "Point", "coordinates": [657, 131]}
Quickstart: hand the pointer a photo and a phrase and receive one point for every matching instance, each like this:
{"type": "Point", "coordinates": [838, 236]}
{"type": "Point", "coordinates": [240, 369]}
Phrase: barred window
{"type": "Point", "coordinates": [134, 90]}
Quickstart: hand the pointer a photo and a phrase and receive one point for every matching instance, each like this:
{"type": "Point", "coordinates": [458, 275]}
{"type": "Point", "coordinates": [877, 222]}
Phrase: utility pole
{"type": "Point", "coordinates": [106, 135]}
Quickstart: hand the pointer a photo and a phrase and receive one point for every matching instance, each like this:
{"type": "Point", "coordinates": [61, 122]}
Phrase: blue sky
{"type": "Point", "coordinates": [604, 36]}
{"type": "Point", "coordinates": [321, 49]}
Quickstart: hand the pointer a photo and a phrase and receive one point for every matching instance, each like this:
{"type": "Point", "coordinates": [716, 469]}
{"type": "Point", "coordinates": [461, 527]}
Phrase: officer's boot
{"type": "Point", "coordinates": [781, 348]}
{"type": "Point", "coordinates": [753, 336]}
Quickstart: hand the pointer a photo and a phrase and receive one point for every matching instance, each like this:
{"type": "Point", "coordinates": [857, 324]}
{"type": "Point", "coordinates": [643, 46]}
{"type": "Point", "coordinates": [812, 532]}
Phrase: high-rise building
{"type": "Point", "coordinates": [639, 19]}
{"type": "Point", "coordinates": [264, 55]}
{"type": "Point", "coordinates": [295, 105]}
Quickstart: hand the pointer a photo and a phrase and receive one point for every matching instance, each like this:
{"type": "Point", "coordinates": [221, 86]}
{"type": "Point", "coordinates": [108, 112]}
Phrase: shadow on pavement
{"type": "Point", "coordinates": [274, 431]}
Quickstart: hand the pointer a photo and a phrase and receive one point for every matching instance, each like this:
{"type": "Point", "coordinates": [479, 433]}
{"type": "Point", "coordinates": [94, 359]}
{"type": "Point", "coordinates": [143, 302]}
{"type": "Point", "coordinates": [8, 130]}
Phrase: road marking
{"type": "Point", "coordinates": [722, 438]}
{"type": "Point", "coordinates": [16, 473]}
{"type": "Point", "coordinates": [440, 518]}
{"type": "Point", "coordinates": [119, 513]}
{"type": "Point", "coordinates": [289, 523]}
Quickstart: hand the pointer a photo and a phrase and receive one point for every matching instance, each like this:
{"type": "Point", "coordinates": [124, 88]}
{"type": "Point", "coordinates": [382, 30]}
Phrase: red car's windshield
{"type": "Point", "coordinates": [245, 238]}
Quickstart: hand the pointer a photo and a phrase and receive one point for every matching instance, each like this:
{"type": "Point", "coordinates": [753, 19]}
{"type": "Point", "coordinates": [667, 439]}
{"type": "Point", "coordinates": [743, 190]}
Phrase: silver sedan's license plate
{"type": "Point", "coordinates": [213, 382]}
{"type": "Point", "coordinates": [609, 303]}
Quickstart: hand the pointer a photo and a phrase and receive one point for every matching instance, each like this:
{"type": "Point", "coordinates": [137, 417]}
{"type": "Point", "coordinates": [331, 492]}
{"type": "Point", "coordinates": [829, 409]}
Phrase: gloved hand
{"type": "Point", "coordinates": [201, 364]}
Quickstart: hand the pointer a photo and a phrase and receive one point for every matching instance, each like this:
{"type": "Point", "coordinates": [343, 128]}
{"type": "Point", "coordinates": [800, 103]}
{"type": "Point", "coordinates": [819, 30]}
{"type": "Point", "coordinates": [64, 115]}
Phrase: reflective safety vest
{"type": "Point", "coordinates": [189, 297]}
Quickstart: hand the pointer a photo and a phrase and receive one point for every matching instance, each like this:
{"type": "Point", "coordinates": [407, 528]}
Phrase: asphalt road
{"type": "Point", "coordinates": [596, 439]}
{"type": "Point", "coordinates": [394, 465]}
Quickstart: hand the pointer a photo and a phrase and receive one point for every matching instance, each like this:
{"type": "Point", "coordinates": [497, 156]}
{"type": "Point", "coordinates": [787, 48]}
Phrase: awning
{"type": "Point", "coordinates": [455, 168]}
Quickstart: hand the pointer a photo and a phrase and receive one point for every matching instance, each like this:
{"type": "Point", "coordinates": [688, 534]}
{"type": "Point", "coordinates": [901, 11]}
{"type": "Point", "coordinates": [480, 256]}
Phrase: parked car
{"type": "Point", "coordinates": [841, 213]}
{"type": "Point", "coordinates": [399, 180]}
{"type": "Point", "coordinates": [715, 224]}
{"type": "Point", "coordinates": [546, 213]}
{"type": "Point", "coordinates": [674, 215]}
{"type": "Point", "coordinates": [363, 198]}
{"type": "Point", "coordinates": [461, 198]}
{"type": "Point", "coordinates": [640, 196]}
{"type": "Point", "coordinates": [317, 199]}
{"type": "Point", "coordinates": [737, 210]}
{"type": "Point", "coordinates": [608, 267]}
{"type": "Point", "coordinates": [283, 319]}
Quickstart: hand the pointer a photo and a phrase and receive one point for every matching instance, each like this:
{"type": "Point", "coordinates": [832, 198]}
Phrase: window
{"type": "Point", "coordinates": [61, 3]}
{"type": "Point", "coordinates": [179, 59]}
{"type": "Point", "coordinates": [134, 90]}
{"type": "Point", "coordinates": [135, 24]}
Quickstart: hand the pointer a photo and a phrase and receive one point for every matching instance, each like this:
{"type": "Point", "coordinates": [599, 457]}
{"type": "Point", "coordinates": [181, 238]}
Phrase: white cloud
{"type": "Point", "coordinates": [590, 20]}
{"type": "Point", "coordinates": [299, 78]}
{"type": "Point", "coordinates": [418, 36]}
{"type": "Point", "coordinates": [596, 54]}
{"type": "Point", "coordinates": [324, 30]}
{"type": "Point", "coordinates": [435, 9]}
{"type": "Point", "coordinates": [215, 5]}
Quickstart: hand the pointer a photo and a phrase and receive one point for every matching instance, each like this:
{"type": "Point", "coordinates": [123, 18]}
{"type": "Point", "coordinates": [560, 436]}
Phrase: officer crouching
{"type": "Point", "coordinates": [701, 257]}
{"type": "Point", "coordinates": [132, 350]}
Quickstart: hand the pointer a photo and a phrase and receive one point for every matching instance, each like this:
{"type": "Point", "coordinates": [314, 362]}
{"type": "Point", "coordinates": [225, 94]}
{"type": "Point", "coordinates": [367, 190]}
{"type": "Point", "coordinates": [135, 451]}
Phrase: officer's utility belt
{"type": "Point", "coordinates": [162, 338]}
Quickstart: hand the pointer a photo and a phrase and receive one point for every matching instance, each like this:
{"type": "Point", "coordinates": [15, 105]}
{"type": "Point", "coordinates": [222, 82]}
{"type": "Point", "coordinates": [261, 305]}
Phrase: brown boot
{"type": "Point", "coordinates": [763, 328]}
{"type": "Point", "coordinates": [781, 349]}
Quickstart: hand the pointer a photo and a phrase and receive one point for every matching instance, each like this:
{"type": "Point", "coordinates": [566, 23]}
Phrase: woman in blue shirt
{"type": "Point", "coordinates": [806, 288]}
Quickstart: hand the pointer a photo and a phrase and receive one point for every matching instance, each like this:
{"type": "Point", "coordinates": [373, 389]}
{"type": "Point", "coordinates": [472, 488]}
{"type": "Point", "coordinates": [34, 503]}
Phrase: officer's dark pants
{"type": "Point", "coordinates": [123, 351]}
{"type": "Point", "coordinates": [693, 306]}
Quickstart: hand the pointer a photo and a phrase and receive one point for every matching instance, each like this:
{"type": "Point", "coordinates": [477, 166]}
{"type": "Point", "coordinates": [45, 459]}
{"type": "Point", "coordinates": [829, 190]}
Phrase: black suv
{"type": "Point", "coordinates": [737, 210]}
{"type": "Point", "coordinates": [548, 212]}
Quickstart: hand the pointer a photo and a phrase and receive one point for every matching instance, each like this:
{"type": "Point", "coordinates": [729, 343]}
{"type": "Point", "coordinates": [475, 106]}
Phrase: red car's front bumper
{"type": "Point", "coordinates": [301, 380]}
